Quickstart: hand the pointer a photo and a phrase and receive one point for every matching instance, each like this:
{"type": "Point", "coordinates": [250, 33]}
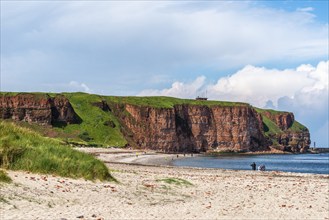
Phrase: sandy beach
{"type": "Point", "coordinates": [165, 192]}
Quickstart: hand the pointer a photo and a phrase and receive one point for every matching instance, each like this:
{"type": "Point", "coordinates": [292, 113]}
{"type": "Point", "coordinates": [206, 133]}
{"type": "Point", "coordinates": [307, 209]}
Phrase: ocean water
{"type": "Point", "coordinates": [299, 163]}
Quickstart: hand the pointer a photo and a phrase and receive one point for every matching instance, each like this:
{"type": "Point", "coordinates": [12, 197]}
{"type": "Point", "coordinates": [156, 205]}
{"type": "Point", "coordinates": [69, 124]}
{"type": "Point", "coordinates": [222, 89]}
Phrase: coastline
{"type": "Point", "coordinates": [161, 191]}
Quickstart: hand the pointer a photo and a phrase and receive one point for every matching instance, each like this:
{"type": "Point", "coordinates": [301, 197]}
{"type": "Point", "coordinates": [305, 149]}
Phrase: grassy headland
{"type": "Point", "coordinates": [102, 128]}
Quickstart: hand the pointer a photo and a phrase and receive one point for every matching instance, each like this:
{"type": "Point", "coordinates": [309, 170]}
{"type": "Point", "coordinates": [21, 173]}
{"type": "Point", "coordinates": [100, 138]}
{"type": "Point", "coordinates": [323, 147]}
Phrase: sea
{"type": "Point", "coordinates": [299, 163]}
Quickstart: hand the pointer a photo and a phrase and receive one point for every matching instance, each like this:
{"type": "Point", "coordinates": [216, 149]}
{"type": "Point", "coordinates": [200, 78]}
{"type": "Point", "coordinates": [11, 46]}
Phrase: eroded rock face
{"type": "Point", "coordinates": [283, 120]}
{"type": "Point", "coordinates": [189, 128]}
{"type": "Point", "coordinates": [40, 109]}
{"type": "Point", "coordinates": [294, 141]}
{"type": "Point", "coordinates": [62, 111]}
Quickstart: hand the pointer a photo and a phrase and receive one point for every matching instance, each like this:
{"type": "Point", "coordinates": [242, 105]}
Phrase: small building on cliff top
{"type": "Point", "coordinates": [201, 98]}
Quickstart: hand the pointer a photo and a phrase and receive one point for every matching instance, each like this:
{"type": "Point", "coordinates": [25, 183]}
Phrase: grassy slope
{"type": "Point", "coordinates": [270, 128]}
{"type": "Point", "coordinates": [23, 149]}
{"type": "Point", "coordinates": [92, 125]}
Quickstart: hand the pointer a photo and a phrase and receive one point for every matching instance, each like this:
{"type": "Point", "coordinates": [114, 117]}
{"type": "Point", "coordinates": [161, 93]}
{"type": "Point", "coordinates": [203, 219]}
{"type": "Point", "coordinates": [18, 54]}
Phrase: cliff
{"type": "Point", "coordinates": [159, 123]}
{"type": "Point", "coordinates": [285, 132]}
{"type": "Point", "coordinates": [193, 128]}
{"type": "Point", "coordinates": [40, 108]}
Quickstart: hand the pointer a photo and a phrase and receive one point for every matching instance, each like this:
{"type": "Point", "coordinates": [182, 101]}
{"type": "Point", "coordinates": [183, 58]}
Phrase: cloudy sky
{"type": "Point", "coordinates": [272, 54]}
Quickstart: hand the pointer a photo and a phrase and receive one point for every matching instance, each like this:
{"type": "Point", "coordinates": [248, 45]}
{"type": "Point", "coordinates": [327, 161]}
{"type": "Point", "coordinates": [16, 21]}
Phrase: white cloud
{"type": "Point", "coordinates": [124, 39]}
{"type": "Point", "coordinates": [307, 9]}
{"type": "Point", "coordinates": [178, 89]}
{"type": "Point", "coordinates": [257, 85]}
{"type": "Point", "coordinates": [79, 87]}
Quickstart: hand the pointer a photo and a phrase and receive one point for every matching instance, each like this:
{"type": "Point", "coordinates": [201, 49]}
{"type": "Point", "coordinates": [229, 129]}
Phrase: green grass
{"type": "Point", "coordinates": [167, 102]}
{"type": "Point", "coordinates": [37, 95]}
{"type": "Point", "coordinates": [271, 111]}
{"type": "Point", "coordinates": [297, 127]}
{"type": "Point", "coordinates": [23, 149]}
{"type": "Point", "coordinates": [93, 128]}
{"type": "Point", "coordinates": [4, 178]}
{"type": "Point", "coordinates": [270, 127]}
{"type": "Point", "coordinates": [176, 181]}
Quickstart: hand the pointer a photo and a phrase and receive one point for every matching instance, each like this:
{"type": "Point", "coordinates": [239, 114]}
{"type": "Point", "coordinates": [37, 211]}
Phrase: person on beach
{"type": "Point", "coordinates": [261, 167]}
{"type": "Point", "coordinates": [253, 166]}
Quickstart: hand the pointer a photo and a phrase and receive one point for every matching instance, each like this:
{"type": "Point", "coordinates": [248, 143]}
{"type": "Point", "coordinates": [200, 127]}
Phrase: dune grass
{"type": "Point", "coordinates": [4, 178]}
{"type": "Point", "coordinates": [23, 149]}
{"type": "Point", "coordinates": [175, 181]}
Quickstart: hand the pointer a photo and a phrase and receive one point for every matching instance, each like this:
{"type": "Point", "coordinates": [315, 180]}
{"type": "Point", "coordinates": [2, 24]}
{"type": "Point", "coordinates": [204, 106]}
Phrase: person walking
{"type": "Point", "coordinates": [253, 166]}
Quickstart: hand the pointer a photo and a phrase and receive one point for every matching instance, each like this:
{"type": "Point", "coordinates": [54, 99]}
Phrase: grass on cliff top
{"type": "Point", "coordinates": [23, 149]}
{"type": "Point", "coordinates": [273, 112]}
{"type": "Point", "coordinates": [167, 102]}
{"type": "Point", "coordinates": [297, 127]}
{"type": "Point", "coordinates": [270, 126]}
{"type": "Point", "coordinates": [38, 95]}
{"type": "Point", "coordinates": [94, 128]}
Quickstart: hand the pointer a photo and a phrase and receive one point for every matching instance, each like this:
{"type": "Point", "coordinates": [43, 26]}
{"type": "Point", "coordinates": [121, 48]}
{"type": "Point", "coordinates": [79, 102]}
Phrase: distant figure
{"type": "Point", "coordinates": [191, 155]}
{"type": "Point", "coordinates": [261, 167]}
{"type": "Point", "coordinates": [177, 155]}
{"type": "Point", "coordinates": [253, 166]}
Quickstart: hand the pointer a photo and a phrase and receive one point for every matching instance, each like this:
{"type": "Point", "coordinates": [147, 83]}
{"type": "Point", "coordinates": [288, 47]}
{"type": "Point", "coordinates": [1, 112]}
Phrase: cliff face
{"type": "Point", "coordinates": [171, 126]}
{"type": "Point", "coordinates": [39, 109]}
{"type": "Point", "coordinates": [294, 141]}
{"type": "Point", "coordinates": [290, 138]}
{"type": "Point", "coordinates": [191, 128]}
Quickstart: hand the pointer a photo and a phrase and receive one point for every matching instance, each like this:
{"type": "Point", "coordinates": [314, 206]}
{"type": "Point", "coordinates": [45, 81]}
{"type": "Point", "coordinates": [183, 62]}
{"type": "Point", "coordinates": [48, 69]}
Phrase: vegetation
{"type": "Point", "coordinates": [270, 127]}
{"type": "Point", "coordinates": [4, 178]}
{"type": "Point", "coordinates": [273, 112]}
{"type": "Point", "coordinates": [166, 102]}
{"type": "Point", "coordinates": [94, 128]}
{"type": "Point", "coordinates": [296, 126]}
{"type": "Point", "coordinates": [23, 149]}
{"type": "Point", "coordinates": [176, 181]}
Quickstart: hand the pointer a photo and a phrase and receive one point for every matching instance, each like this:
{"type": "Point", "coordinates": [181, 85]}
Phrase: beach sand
{"type": "Point", "coordinates": [145, 192]}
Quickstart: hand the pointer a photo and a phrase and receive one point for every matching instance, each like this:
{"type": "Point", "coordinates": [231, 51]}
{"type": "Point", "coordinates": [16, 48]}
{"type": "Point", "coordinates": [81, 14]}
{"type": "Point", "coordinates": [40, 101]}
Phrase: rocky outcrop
{"type": "Point", "coordinates": [193, 128]}
{"type": "Point", "coordinates": [41, 109]}
{"type": "Point", "coordinates": [283, 120]}
{"type": "Point", "coordinates": [102, 105]}
{"type": "Point", "coordinates": [291, 141]}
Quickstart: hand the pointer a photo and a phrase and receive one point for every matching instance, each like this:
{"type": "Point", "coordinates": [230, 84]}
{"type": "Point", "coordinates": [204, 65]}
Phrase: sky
{"type": "Point", "coordinates": [271, 54]}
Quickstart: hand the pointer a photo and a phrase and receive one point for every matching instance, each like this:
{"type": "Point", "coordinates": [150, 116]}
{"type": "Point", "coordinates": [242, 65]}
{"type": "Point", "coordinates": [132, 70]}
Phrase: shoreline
{"type": "Point", "coordinates": [149, 187]}
{"type": "Point", "coordinates": [153, 158]}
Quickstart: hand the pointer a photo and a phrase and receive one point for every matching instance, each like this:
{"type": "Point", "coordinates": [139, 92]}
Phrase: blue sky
{"type": "Point", "coordinates": [267, 53]}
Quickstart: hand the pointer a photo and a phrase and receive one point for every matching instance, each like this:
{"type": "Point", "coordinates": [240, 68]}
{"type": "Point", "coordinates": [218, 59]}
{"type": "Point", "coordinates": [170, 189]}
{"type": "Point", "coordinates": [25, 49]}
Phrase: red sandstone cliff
{"type": "Point", "coordinates": [181, 128]}
{"type": "Point", "coordinates": [41, 109]}
{"type": "Point", "coordinates": [288, 140]}
{"type": "Point", "coordinates": [191, 128]}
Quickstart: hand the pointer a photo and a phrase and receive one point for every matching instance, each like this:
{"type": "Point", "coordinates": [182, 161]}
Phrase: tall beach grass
{"type": "Point", "coordinates": [23, 149]}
